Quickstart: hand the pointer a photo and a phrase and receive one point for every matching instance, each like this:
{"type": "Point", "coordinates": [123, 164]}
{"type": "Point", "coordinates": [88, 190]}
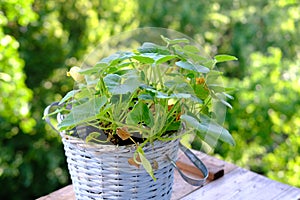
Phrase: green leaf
{"type": "Point", "coordinates": [140, 113]}
{"type": "Point", "coordinates": [225, 103]}
{"type": "Point", "coordinates": [201, 91]}
{"type": "Point", "coordinates": [164, 58]}
{"type": "Point", "coordinates": [162, 95]}
{"type": "Point", "coordinates": [179, 85]}
{"type": "Point", "coordinates": [117, 84]}
{"type": "Point", "coordinates": [146, 164]}
{"type": "Point", "coordinates": [221, 97]}
{"type": "Point", "coordinates": [174, 126]}
{"type": "Point", "coordinates": [224, 58]}
{"type": "Point", "coordinates": [196, 99]}
{"type": "Point", "coordinates": [92, 136]}
{"type": "Point", "coordinates": [148, 47]}
{"type": "Point", "coordinates": [210, 64]}
{"type": "Point", "coordinates": [144, 58]}
{"type": "Point", "coordinates": [213, 76]}
{"type": "Point", "coordinates": [175, 41]}
{"type": "Point", "coordinates": [110, 59]}
{"type": "Point", "coordinates": [189, 52]}
{"type": "Point", "coordinates": [209, 128]}
{"type": "Point", "coordinates": [83, 113]}
{"type": "Point", "coordinates": [94, 69]}
{"type": "Point", "coordinates": [68, 96]}
{"type": "Point", "coordinates": [228, 96]}
{"type": "Point", "coordinates": [149, 58]}
{"type": "Point", "coordinates": [189, 66]}
{"type": "Point", "coordinates": [181, 96]}
{"type": "Point", "coordinates": [85, 93]}
{"type": "Point", "coordinates": [145, 96]}
{"type": "Point", "coordinates": [114, 59]}
{"type": "Point", "coordinates": [192, 49]}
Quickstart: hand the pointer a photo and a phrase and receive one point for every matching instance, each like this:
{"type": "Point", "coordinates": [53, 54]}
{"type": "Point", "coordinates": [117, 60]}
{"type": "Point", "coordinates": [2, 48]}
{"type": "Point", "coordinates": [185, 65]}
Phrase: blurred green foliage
{"type": "Point", "coordinates": [40, 40]}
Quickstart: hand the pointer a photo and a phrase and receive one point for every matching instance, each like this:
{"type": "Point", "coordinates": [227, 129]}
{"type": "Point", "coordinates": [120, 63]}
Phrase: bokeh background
{"type": "Point", "coordinates": [40, 40]}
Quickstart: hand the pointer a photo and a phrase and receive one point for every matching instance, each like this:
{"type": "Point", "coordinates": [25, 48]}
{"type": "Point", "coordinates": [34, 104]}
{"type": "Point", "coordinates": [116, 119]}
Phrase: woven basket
{"type": "Point", "coordinates": [102, 171]}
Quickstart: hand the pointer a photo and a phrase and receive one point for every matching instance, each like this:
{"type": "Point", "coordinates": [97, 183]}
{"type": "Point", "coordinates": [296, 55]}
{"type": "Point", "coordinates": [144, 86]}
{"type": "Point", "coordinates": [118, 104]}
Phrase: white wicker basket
{"type": "Point", "coordinates": [102, 171]}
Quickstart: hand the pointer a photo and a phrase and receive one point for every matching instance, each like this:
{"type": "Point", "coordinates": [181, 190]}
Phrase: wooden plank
{"type": "Point", "coordinates": [180, 187]}
{"type": "Point", "coordinates": [65, 193]}
{"type": "Point", "coordinates": [246, 185]}
{"type": "Point", "coordinates": [272, 189]}
{"type": "Point", "coordinates": [290, 193]}
{"type": "Point", "coordinates": [216, 168]}
{"type": "Point", "coordinates": [237, 183]}
{"type": "Point", "coordinates": [223, 187]}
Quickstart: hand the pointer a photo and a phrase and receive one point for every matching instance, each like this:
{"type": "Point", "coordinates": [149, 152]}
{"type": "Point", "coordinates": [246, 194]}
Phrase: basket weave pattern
{"type": "Point", "coordinates": [102, 171]}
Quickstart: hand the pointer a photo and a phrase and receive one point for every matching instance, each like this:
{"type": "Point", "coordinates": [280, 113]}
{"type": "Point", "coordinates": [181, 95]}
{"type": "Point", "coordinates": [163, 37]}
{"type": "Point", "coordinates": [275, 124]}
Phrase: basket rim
{"type": "Point", "coordinates": [82, 143]}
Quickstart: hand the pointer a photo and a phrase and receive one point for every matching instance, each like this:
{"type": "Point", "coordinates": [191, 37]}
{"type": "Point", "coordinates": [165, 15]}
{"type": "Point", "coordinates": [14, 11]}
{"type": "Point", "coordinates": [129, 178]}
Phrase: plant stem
{"type": "Point", "coordinates": [159, 76]}
{"type": "Point", "coordinates": [120, 124]}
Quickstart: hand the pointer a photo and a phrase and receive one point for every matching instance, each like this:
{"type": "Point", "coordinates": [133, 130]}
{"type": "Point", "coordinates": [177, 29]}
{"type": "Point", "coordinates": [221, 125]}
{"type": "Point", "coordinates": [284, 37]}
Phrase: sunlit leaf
{"type": "Point", "coordinates": [145, 97]}
{"type": "Point", "coordinates": [146, 164]}
{"type": "Point", "coordinates": [209, 127]}
{"type": "Point", "coordinates": [225, 103]}
{"type": "Point", "coordinates": [191, 48]}
{"type": "Point", "coordinates": [175, 41]}
{"type": "Point", "coordinates": [94, 69]}
{"type": "Point", "coordinates": [189, 66]}
{"type": "Point", "coordinates": [180, 96]}
{"type": "Point", "coordinates": [148, 47]}
{"type": "Point", "coordinates": [224, 58]}
{"type": "Point", "coordinates": [83, 112]}
{"type": "Point", "coordinates": [147, 59]}
{"type": "Point", "coordinates": [117, 84]}
{"type": "Point", "coordinates": [173, 95]}
{"type": "Point", "coordinates": [228, 95]}
{"type": "Point", "coordinates": [115, 58]}
{"type": "Point", "coordinates": [221, 98]}
{"type": "Point", "coordinates": [74, 73]}
{"type": "Point", "coordinates": [68, 96]}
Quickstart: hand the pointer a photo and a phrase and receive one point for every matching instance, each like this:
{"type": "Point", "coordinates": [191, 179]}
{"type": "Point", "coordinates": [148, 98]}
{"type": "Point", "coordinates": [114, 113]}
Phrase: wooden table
{"type": "Point", "coordinates": [226, 181]}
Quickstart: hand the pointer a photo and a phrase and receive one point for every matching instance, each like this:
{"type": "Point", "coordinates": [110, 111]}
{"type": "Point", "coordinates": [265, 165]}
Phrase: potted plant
{"type": "Point", "coordinates": [122, 124]}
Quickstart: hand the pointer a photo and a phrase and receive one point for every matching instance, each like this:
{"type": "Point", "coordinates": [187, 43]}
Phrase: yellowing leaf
{"type": "Point", "coordinates": [74, 73]}
{"type": "Point", "coordinates": [123, 133]}
{"type": "Point", "coordinates": [133, 163]}
{"type": "Point", "coordinates": [155, 165]}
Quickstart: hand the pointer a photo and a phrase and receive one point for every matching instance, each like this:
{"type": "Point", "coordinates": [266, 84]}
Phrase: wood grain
{"type": "Point", "coordinates": [243, 184]}
{"type": "Point", "coordinates": [226, 181]}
